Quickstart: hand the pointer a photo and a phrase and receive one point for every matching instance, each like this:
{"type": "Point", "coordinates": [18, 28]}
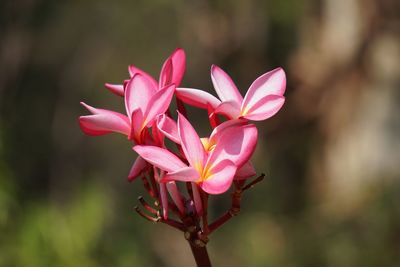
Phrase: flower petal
{"type": "Point", "coordinates": [221, 178]}
{"type": "Point", "coordinates": [138, 93]}
{"type": "Point", "coordinates": [158, 104]}
{"type": "Point", "coordinates": [265, 108]}
{"type": "Point", "coordinates": [168, 127]}
{"type": "Point", "coordinates": [191, 144]}
{"type": "Point", "coordinates": [185, 174]}
{"type": "Point", "coordinates": [270, 83]}
{"type": "Point", "coordinates": [224, 86]}
{"type": "Point", "coordinates": [230, 109]}
{"type": "Point", "coordinates": [137, 168]}
{"type": "Point", "coordinates": [117, 89]}
{"type": "Point", "coordinates": [158, 136]}
{"type": "Point", "coordinates": [166, 73]}
{"type": "Point", "coordinates": [219, 130]}
{"type": "Point", "coordinates": [160, 157]}
{"type": "Point", "coordinates": [197, 98]}
{"type": "Point", "coordinates": [246, 171]}
{"type": "Point", "coordinates": [236, 144]}
{"type": "Point", "coordinates": [173, 68]}
{"type": "Point", "coordinates": [178, 58]}
{"type": "Point", "coordinates": [136, 125]}
{"type": "Point", "coordinates": [103, 122]}
{"type": "Point", "coordinates": [134, 70]}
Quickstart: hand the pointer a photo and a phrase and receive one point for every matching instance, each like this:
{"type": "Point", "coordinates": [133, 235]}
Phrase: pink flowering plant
{"type": "Point", "coordinates": [203, 165]}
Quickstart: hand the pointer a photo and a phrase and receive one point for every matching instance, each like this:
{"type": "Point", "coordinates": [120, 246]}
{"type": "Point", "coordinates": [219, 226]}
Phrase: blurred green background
{"type": "Point", "coordinates": [331, 155]}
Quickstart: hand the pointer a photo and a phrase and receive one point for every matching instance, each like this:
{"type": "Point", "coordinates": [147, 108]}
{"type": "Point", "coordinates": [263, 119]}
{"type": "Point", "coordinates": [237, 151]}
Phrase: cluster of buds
{"type": "Point", "coordinates": [181, 177]}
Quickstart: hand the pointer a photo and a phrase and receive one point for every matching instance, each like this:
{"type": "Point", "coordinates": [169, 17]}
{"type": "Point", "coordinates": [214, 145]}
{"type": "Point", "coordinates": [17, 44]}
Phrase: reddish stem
{"type": "Point", "coordinates": [174, 224]}
{"type": "Point", "coordinates": [200, 255]}
{"type": "Point", "coordinates": [154, 183]}
{"type": "Point", "coordinates": [220, 221]}
{"type": "Point", "coordinates": [204, 197]}
{"type": "Point", "coordinates": [233, 211]}
{"type": "Point", "coordinates": [148, 188]}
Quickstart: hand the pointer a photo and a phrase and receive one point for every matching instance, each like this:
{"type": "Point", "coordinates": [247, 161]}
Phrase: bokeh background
{"type": "Point", "coordinates": [331, 155]}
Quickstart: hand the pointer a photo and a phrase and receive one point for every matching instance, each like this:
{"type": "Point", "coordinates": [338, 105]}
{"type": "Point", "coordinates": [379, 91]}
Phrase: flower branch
{"type": "Point", "coordinates": [205, 166]}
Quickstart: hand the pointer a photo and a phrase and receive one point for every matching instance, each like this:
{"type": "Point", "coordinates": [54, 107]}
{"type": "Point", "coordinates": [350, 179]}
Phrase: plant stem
{"type": "Point", "coordinates": [200, 255]}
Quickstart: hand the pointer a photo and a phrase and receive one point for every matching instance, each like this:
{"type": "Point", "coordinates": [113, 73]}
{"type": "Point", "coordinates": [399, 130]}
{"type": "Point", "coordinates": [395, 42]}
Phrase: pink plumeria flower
{"type": "Point", "coordinates": [213, 172]}
{"type": "Point", "coordinates": [172, 72]}
{"type": "Point", "coordinates": [263, 99]}
{"type": "Point", "coordinates": [169, 128]}
{"type": "Point", "coordinates": [143, 103]}
{"type": "Point", "coordinates": [245, 169]}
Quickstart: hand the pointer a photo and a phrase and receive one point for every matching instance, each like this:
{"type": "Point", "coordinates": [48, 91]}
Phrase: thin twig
{"type": "Point", "coordinates": [220, 221]}
{"type": "Point", "coordinates": [204, 197]}
{"type": "Point", "coordinates": [154, 183]}
{"type": "Point", "coordinates": [189, 189]}
{"type": "Point", "coordinates": [147, 186]}
{"type": "Point", "coordinates": [174, 224]}
{"type": "Point", "coordinates": [146, 216]}
{"type": "Point", "coordinates": [174, 208]}
{"type": "Point", "coordinates": [147, 206]}
{"type": "Point", "coordinates": [254, 182]}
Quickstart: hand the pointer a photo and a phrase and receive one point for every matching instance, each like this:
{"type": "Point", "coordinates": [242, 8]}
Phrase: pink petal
{"type": "Point", "coordinates": [176, 196]}
{"type": "Point", "coordinates": [158, 136]}
{"type": "Point", "coordinates": [197, 98]}
{"type": "Point", "coordinates": [206, 143]}
{"type": "Point", "coordinates": [270, 83]}
{"type": "Point", "coordinates": [166, 73]}
{"type": "Point", "coordinates": [212, 117]}
{"type": "Point", "coordinates": [160, 157]}
{"type": "Point", "coordinates": [221, 178]}
{"type": "Point", "coordinates": [136, 125]}
{"type": "Point", "coordinates": [246, 171]}
{"type": "Point", "coordinates": [178, 58]}
{"type": "Point", "coordinates": [191, 144]}
{"type": "Point", "coordinates": [230, 109]}
{"type": "Point", "coordinates": [134, 70]}
{"type": "Point", "coordinates": [158, 104]}
{"type": "Point", "coordinates": [117, 89]}
{"type": "Point", "coordinates": [138, 93]}
{"type": "Point", "coordinates": [237, 144]}
{"type": "Point", "coordinates": [168, 127]}
{"type": "Point", "coordinates": [137, 168]}
{"type": "Point", "coordinates": [224, 86]}
{"type": "Point", "coordinates": [267, 107]}
{"type": "Point", "coordinates": [185, 174]}
{"type": "Point", "coordinates": [103, 122]}
{"type": "Point", "coordinates": [219, 130]}
{"type": "Point", "coordinates": [198, 203]}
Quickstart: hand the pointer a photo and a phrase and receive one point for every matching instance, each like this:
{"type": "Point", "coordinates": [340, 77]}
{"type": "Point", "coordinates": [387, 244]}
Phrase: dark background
{"type": "Point", "coordinates": [331, 155]}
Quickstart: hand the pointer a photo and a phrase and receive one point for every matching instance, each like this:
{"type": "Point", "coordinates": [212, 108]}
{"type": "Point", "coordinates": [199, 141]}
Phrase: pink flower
{"type": "Point", "coordinates": [169, 128]}
{"type": "Point", "coordinates": [214, 171]}
{"type": "Point", "coordinates": [142, 103]}
{"type": "Point", "coordinates": [172, 72]}
{"type": "Point", "coordinates": [263, 99]}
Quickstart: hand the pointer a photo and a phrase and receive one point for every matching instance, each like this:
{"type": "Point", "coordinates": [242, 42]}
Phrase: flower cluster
{"type": "Point", "coordinates": [207, 165]}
